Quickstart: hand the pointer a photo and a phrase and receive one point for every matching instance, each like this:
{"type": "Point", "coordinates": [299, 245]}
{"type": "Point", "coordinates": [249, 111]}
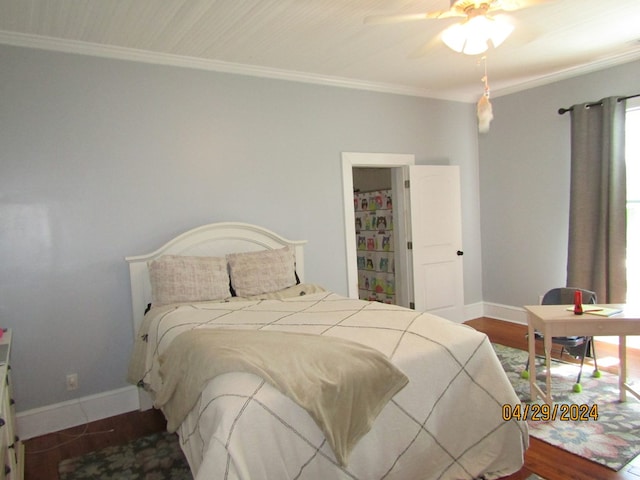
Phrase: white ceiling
{"type": "Point", "coordinates": [327, 42]}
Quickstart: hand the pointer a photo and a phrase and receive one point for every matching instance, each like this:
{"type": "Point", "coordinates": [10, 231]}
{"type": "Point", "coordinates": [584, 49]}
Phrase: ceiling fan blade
{"type": "Point", "coordinates": [427, 48]}
{"type": "Point", "coordinates": [511, 5]}
{"type": "Point", "coordinates": [446, 14]}
{"type": "Point", "coordinates": [410, 17]}
{"type": "Point", "coordinates": [384, 19]}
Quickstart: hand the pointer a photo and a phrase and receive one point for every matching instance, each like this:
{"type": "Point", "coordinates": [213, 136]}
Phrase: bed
{"type": "Point", "coordinates": [265, 376]}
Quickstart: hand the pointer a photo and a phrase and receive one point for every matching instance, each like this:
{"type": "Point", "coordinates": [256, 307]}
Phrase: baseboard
{"type": "Point", "coordinates": [504, 312]}
{"type": "Point", "coordinates": [52, 418]}
{"type": "Point", "coordinates": [474, 310]}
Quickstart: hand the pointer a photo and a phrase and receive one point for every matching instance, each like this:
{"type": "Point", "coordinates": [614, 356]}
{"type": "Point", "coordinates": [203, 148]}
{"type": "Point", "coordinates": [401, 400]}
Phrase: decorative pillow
{"type": "Point", "coordinates": [176, 278]}
{"type": "Point", "coordinates": [265, 271]}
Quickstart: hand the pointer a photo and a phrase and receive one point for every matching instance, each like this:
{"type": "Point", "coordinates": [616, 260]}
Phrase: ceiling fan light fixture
{"type": "Point", "coordinates": [500, 31]}
{"type": "Point", "coordinates": [473, 36]}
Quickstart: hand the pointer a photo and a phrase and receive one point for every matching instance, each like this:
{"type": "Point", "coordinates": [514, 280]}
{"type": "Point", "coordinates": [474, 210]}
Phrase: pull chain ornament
{"type": "Point", "coordinates": [484, 109]}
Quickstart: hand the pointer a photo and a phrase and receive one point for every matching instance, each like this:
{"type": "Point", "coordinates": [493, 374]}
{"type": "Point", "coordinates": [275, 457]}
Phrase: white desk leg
{"type": "Point", "coordinates": [622, 378]}
{"type": "Point", "coordinates": [532, 360]}
{"type": "Point", "coordinates": [547, 356]}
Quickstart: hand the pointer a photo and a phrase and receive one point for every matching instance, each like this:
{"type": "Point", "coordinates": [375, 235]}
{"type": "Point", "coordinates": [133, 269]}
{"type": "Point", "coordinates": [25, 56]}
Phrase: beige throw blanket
{"type": "Point", "coordinates": [342, 384]}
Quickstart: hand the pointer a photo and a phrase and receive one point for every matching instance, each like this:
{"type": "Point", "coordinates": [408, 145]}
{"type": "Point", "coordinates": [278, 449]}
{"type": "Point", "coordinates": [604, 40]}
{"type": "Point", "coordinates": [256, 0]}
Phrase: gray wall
{"type": "Point", "coordinates": [524, 184]}
{"type": "Point", "coordinates": [105, 158]}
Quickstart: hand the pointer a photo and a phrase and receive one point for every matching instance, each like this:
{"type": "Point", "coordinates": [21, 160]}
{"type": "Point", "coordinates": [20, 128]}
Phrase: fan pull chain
{"type": "Point", "coordinates": [485, 79]}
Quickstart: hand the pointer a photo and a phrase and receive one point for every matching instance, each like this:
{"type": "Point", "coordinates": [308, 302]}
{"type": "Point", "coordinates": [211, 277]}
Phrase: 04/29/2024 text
{"type": "Point", "coordinates": [545, 413]}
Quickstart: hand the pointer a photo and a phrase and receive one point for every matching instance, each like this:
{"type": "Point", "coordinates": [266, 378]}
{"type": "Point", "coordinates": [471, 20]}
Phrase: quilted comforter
{"type": "Point", "coordinates": [446, 423]}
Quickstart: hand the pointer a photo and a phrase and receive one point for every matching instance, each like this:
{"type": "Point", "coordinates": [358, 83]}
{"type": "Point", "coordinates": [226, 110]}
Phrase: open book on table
{"type": "Point", "coordinates": [598, 310]}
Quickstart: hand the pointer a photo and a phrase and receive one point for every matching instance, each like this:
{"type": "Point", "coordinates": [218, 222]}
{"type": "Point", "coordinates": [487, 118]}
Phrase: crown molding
{"type": "Point", "coordinates": [121, 53]}
{"type": "Point", "coordinates": [566, 73]}
{"type": "Point", "coordinates": [156, 58]}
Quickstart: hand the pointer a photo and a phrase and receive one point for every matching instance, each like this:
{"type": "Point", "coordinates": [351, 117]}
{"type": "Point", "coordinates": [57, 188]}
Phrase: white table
{"type": "Point", "coordinates": [557, 321]}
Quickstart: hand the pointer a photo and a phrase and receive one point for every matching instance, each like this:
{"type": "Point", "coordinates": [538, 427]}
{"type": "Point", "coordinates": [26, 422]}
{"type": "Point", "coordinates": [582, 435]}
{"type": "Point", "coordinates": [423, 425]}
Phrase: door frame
{"type": "Point", "coordinates": [404, 292]}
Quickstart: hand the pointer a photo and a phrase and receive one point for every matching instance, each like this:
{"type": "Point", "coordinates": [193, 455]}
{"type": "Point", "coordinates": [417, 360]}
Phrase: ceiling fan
{"type": "Point", "coordinates": [479, 27]}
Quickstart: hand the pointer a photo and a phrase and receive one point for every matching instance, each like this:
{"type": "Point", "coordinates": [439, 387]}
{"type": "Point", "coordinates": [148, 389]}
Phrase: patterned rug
{"type": "Point", "coordinates": [612, 440]}
{"type": "Point", "coordinates": [154, 457]}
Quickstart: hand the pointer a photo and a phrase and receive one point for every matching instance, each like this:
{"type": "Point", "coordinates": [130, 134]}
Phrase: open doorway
{"type": "Point", "coordinates": [373, 200]}
{"type": "Point", "coordinates": [366, 172]}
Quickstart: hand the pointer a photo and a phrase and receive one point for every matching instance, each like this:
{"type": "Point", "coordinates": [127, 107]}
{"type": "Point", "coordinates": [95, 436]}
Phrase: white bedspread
{"type": "Point", "coordinates": [445, 424]}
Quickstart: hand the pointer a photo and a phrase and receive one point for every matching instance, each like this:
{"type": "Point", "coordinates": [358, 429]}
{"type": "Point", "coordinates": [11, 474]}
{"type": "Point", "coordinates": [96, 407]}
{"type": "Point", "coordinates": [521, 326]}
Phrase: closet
{"type": "Point", "coordinates": [373, 208]}
{"type": "Point", "coordinates": [424, 227]}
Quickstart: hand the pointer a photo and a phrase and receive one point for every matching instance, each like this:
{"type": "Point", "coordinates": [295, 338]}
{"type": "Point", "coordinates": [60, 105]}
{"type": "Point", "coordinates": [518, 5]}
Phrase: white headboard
{"type": "Point", "coordinates": [213, 240]}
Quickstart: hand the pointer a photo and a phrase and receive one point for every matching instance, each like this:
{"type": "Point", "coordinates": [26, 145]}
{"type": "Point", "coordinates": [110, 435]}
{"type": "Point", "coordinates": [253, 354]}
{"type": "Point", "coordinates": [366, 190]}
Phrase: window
{"type": "Point", "coordinates": [632, 139]}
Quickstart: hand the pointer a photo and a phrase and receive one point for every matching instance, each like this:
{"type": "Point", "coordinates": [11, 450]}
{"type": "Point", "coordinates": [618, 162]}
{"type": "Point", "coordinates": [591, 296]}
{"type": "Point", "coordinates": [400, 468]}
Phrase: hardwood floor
{"type": "Point", "coordinates": [44, 453]}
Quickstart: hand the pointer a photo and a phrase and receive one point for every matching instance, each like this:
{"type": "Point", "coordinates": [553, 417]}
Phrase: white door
{"type": "Point", "coordinates": [436, 240]}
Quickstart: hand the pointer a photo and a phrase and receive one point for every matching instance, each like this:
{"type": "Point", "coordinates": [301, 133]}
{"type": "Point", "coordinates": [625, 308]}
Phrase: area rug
{"type": "Point", "coordinates": [154, 457]}
{"type": "Point", "coordinates": [612, 440]}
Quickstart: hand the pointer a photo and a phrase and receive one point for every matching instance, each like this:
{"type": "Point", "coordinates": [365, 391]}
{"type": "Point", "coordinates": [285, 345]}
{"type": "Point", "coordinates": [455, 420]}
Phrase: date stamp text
{"type": "Point", "coordinates": [572, 412]}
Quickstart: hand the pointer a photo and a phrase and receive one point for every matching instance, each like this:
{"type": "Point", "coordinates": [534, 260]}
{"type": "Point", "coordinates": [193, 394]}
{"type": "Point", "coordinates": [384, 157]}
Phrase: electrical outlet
{"type": "Point", "coordinates": [72, 381]}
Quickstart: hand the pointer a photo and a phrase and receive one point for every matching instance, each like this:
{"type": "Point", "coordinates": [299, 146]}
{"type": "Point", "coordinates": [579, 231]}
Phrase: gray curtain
{"type": "Point", "coordinates": [598, 219]}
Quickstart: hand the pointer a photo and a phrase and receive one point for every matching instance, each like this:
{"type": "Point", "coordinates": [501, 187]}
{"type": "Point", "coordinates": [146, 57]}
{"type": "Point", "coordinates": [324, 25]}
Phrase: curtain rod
{"type": "Point", "coordinates": [562, 111]}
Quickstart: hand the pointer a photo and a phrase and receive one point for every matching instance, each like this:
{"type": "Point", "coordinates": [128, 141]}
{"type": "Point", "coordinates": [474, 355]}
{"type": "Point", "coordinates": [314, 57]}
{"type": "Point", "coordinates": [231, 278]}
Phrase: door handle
{"type": "Point", "coordinates": [459, 253]}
